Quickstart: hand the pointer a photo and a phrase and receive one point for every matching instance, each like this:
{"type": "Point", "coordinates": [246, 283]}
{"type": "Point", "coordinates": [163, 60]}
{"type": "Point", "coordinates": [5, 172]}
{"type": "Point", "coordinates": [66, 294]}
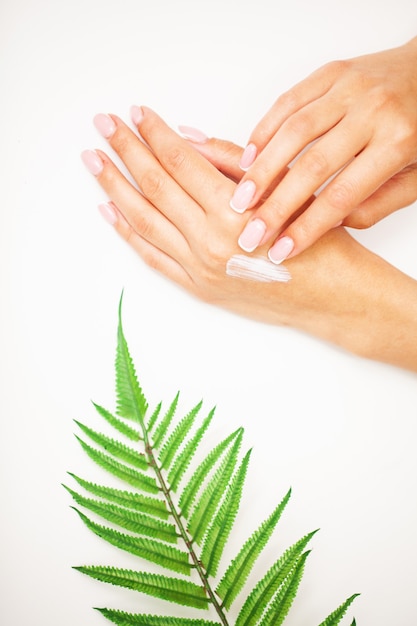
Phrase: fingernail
{"type": "Point", "coordinates": [281, 249]}
{"type": "Point", "coordinates": [252, 235]}
{"type": "Point", "coordinates": [108, 212]}
{"type": "Point", "coordinates": [242, 197]}
{"type": "Point", "coordinates": [248, 157]}
{"type": "Point", "coordinates": [104, 125]}
{"type": "Point", "coordinates": [92, 162]}
{"type": "Point", "coordinates": [338, 224]}
{"type": "Point", "coordinates": [192, 134]}
{"type": "Point", "coordinates": [136, 113]}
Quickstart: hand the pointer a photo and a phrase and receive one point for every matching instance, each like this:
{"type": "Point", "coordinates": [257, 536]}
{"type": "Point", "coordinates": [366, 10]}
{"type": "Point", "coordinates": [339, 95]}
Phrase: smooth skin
{"type": "Point", "coordinates": [181, 225]}
{"type": "Point", "coordinates": [353, 120]}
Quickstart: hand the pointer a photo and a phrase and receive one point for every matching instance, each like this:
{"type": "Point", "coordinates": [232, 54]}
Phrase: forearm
{"type": "Point", "coordinates": [358, 301]}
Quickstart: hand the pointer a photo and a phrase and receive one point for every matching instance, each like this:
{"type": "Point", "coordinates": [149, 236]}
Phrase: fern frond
{"type": "Point", "coordinates": [163, 426]}
{"type": "Point", "coordinates": [281, 604]}
{"type": "Point", "coordinates": [131, 403]}
{"type": "Point", "coordinates": [164, 587]}
{"type": "Point", "coordinates": [125, 473]}
{"type": "Point", "coordinates": [116, 449]}
{"type": "Point", "coordinates": [334, 618]}
{"type": "Point", "coordinates": [189, 493]}
{"type": "Point", "coordinates": [118, 424]}
{"type": "Point", "coordinates": [129, 619]}
{"type": "Point", "coordinates": [183, 460]}
{"type": "Point", "coordinates": [138, 523]}
{"type": "Point", "coordinates": [154, 417]}
{"type": "Point", "coordinates": [155, 551]}
{"type": "Point", "coordinates": [264, 590]}
{"type": "Point", "coordinates": [213, 493]}
{"type": "Point", "coordinates": [128, 499]}
{"type": "Point", "coordinates": [222, 524]}
{"type": "Point", "coordinates": [177, 437]}
{"type": "Point", "coordinates": [241, 566]}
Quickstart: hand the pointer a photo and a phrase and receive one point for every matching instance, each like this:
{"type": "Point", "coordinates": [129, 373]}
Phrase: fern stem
{"type": "Point", "coordinates": [183, 532]}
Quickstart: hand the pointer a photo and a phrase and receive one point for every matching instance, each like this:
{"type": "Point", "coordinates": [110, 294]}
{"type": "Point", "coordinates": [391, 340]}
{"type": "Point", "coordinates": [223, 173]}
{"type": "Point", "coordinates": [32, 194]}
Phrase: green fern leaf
{"type": "Point", "coordinates": [128, 499]}
{"type": "Point", "coordinates": [154, 417]}
{"type": "Point", "coordinates": [131, 403]}
{"type": "Point", "coordinates": [162, 428]}
{"type": "Point", "coordinates": [165, 555]}
{"type": "Point", "coordinates": [206, 506]}
{"type": "Point", "coordinates": [353, 623]}
{"type": "Point", "coordinates": [116, 449]}
{"type": "Point", "coordinates": [119, 425]}
{"type": "Point", "coordinates": [190, 491]}
{"type": "Point", "coordinates": [164, 587]}
{"type": "Point", "coordinates": [130, 619]}
{"type": "Point", "coordinates": [129, 475]}
{"type": "Point", "coordinates": [138, 523]}
{"type": "Point", "coordinates": [175, 440]}
{"type": "Point", "coordinates": [283, 600]}
{"type": "Point", "coordinates": [222, 524]}
{"type": "Point", "coordinates": [265, 589]}
{"type": "Point", "coordinates": [183, 460]}
{"type": "Point", "coordinates": [335, 618]}
{"type": "Point", "coordinates": [241, 566]}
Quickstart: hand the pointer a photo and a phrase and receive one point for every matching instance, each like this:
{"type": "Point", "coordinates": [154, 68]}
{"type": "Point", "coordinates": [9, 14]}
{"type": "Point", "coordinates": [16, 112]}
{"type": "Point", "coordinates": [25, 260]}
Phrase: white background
{"type": "Point", "coordinates": [338, 429]}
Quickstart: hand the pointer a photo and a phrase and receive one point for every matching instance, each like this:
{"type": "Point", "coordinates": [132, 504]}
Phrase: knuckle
{"type": "Point", "coordinates": [175, 158]}
{"type": "Point", "coordinates": [315, 163]}
{"type": "Point", "coordinates": [288, 101]}
{"type": "Point", "coordinates": [337, 67]}
{"type": "Point", "coordinates": [143, 226]}
{"type": "Point", "coordinates": [151, 184]}
{"type": "Point", "coordinates": [340, 195]}
{"type": "Point", "coordinates": [299, 124]}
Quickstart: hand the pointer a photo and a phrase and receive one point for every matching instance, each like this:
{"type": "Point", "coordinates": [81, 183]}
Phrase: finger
{"type": "Point", "coordinates": [143, 218]}
{"type": "Point", "coordinates": [398, 192]}
{"type": "Point", "coordinates": [361, 178]}
{"type": "Point", "coordinates": [154, 257]}
{"type": "Point", "coordinates": [311, 88]}
{"type": "Point", "coordinates": [323, 159]}
{"type": "Point", "coordinates": [154, 182]}
{"type": "Point", "coordinates": [191, 170]}
{"type": "Point", "coordinates": [224, 155]}
{"type": "Point", "coordinates": [295, 134]}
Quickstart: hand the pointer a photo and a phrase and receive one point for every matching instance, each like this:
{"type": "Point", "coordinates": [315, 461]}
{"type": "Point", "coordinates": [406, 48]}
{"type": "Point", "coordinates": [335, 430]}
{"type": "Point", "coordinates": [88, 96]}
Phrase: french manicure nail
{"type": "Point", "coordinates": [136, 113]}
{"type": "Point", "coordinates": [108, 212]}
{"type": "Point", "coordinates": [252, 235]}
{"type": "Point", "coordinates": [192, 134]}
{"type": "Point", "coordinates": [248, 157]}
{"type": "Point", "coordinates": [242, 197]}
{"type": "Point", "coordinates": [92, 162]}
{"type": "Point", "coordinates": [104, 125]}
{"type": "Point", "coordinates": [281, 249]}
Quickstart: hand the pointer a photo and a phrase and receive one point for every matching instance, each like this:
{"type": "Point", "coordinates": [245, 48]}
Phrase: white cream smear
{"type": "Point", "coordinates": [256, 268]}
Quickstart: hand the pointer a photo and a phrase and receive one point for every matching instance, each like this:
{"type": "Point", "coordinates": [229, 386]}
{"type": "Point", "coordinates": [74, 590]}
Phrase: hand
{"type": "Point", "coordinates": [180, 225]}
{"type": "Point", "coordinates": [361, 116]}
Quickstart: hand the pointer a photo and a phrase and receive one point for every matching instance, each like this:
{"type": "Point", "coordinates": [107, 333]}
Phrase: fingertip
{"type": "Point", "coordinates": [192, 134]}
{"type": "Point", "coordinates": [248, 157]}
{"type": "Point", "coordinates": [136, 114]}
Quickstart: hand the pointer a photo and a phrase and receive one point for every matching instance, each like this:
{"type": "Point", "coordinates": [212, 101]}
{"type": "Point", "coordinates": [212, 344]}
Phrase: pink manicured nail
{"type": "Point", "coordinates": [108, 212]}
{"type": "Point", "coordinates": [281, 249]}
{"type": "Point", "coordinates": [252, 235]}
{"type": "Point", "coordinates": [92, 162]}
{"type": "Point", "coordinates": [104, 125]}
{"type": "Point", "coordinates": [248, 157]}
{"type": "Point", "coordinates": [192, 134]}
{"type": "Point", "coordinates": [242, 197]}
{"type": "Point", "coordinates": [136, 113]}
